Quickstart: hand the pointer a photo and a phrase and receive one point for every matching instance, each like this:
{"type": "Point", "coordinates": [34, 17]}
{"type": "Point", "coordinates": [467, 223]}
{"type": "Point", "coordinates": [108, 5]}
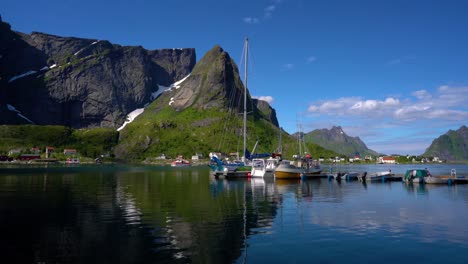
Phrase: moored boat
{"type": "Point", "coordinates": [263, 168]}
{"type": "Point", "coordinates": [180, 163]}
{"type": "Point", "coordinates": [416, 175]}
{"type": "Point", "coordinates": [73, 161]}
{"type": "Point", "coordinates": [424, 176]}
{"type": "Point", "coordinates": [286, 170]}
{"type": "Point", "coordinates": [350, 176]}
{"type": "Point", "coordinates": [376, 176]}
{"type": "Point", "coordinates": [310, 166]}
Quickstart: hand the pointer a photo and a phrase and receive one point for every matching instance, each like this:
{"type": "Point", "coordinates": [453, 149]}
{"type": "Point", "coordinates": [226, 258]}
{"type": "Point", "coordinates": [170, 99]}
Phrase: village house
{"type": "Point", "coordinates": [70, 152]}
{"type": "Point", "coordinates": [14, 152]}
{"type": "Point", "coordinates": [197, 156]}
{"type": "Point", "coordinates": [48, 151]}
{"type": "Point", "coordinates": [387, 160]}
{"type": "Point", "coordinates": [35, 150]}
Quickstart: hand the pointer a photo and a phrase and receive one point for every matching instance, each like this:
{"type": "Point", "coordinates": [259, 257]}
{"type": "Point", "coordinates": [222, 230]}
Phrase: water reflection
{"type": "Point", "coordinates": [184, 215]}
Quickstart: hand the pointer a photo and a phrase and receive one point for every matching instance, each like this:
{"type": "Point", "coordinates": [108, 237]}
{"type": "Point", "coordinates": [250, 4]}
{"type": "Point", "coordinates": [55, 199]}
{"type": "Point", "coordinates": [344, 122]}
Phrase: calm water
{"type": "Point", "coordinates": [122, 214]}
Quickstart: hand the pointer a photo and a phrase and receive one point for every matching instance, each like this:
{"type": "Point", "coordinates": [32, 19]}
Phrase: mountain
{"type": "Point", "coordinates": [186, 107]}
{"type": "Point", "coordinates": [336, 139]}
{"type": "Point", "coordinates": [452, 146]}
{"type": "Point", "coordinates": [80, 83]}
{"type": "Point", "coordinates": [201, 114]}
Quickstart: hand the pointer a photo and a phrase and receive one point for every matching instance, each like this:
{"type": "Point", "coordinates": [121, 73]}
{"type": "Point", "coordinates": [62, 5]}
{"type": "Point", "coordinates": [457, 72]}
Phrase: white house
{"type": "Point", "coordinates": [387, 160]}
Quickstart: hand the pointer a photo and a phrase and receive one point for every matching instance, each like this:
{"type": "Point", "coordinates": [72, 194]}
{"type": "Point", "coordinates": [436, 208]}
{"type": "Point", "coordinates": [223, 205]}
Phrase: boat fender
{"type": "Point", "coordinates": [449, 181]}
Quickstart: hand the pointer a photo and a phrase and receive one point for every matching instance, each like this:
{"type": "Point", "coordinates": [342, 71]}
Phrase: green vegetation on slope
{"type": "Point", "coordinates": [88, 142]}
{"type": "Point", "coordinates": [450, 146]}
{"type": "Point", "coordinates": [339, 142]}
{"type": "Point", "coordinates": [193, 131]}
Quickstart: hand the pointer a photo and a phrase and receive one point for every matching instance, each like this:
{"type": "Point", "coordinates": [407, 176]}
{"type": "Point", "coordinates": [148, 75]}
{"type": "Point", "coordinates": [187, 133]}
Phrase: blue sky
{"type": "Point", "coordinates": [394, 73]}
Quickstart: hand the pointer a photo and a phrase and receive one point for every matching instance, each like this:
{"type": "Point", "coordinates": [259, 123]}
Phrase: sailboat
{"type": "Point", "coordinates": [238, 168]}
{"type": "Point", "coordinates": [310, 167]}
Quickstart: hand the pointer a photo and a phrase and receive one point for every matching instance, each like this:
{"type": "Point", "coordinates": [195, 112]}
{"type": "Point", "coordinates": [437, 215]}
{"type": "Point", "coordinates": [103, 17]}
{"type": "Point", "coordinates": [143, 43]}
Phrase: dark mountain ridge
{"type": "Point", "coordinates": [80, 82]}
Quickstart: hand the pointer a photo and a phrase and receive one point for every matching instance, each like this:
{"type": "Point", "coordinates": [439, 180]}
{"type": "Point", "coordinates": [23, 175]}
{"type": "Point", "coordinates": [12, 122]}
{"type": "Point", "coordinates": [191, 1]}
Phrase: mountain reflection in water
{"type": "Point", "coordinates": [120, 214]}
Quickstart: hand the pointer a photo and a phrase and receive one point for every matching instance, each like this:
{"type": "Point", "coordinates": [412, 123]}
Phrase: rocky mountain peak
{"type": "Point", "coordinates": [337, 140]}
{"type": "Point", "coordinates": [213, 83]}
{"type": "Point", "coordinates": [81, 82]}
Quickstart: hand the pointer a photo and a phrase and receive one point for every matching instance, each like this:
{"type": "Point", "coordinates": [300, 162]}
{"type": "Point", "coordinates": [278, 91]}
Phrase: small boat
{"type": "Point", "coordinates": [349, 176]}
{"type": "Point", "coordinates": [376, 176]}
{"type": "Point", "coordinates": [219, 166]}
{"type": "Point", "coordinates": [286, 170]}
{"type": "Point", "coordinates": [424, 176]}
{"type": "Point", "coordinates": [310, 167]}
{"type": "Point", "coordinates": [263, 168]}
{"type": "Point", "coordinates": [73, 161]}
{"type": "Point", "coordinates": [180, 163]}
{"type": "Point", "coordinates": [416, 175]}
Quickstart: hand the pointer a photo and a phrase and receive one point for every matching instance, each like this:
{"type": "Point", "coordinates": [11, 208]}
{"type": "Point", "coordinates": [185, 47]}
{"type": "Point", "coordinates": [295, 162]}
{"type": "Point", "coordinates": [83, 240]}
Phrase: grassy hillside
{"type": "Point", "coordinates": [193, 131]}
{"type": "Point", "coordinates": [88, 142]}
{"type": "Point", "coordinates": [451, 146]}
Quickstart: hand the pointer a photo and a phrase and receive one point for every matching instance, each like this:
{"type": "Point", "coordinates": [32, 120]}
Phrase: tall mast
{"type": "Point", "coordinates": [245, 93]}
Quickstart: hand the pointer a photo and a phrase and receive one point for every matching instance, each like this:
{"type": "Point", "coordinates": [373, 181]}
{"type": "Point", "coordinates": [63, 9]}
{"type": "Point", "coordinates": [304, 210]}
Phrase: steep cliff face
{"type": "Point", "coordinates": [266, 111]}
{"type": "Point", "coordinates": [336, 139]}
{"type": "Point", "coordinates": [215, 83]}
{"type": "Point", "coordinates": [80, 82]}
{"type": "Point", "coordinates": [201, 114]}
{"type": "Point", "coordinates": [452, 146]}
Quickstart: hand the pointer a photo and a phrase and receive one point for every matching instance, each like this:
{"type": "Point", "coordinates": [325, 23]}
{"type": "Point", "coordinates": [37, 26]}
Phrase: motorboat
{"type": "Point", "coordinates": [286, 170]}
{"type": "Point", "coordinates": [375, 176]}
{"type": "Point", "coordinates": [263, 167]}
{"type": "Point", "coordinates": [180, 163]}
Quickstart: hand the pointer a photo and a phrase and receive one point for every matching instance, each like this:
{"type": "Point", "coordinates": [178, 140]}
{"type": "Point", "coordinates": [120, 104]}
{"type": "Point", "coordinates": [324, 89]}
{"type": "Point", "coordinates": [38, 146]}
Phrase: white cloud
{"type": "Point", "coordinates": [378, 121]}
{"type": "Point", "coordinates": [334, 107]}
{"type": "Point", "coordinates": [270, 8]}
{"type": "Point", "coordinates": [251, 20]}
{"type": "Point", "coordinates": [422, 94]}
{"type": "Point", "coordinates": [267, 98]}
{"type": "Point", "coordinates": [311, 59]}
{"type": "Point", "coordinates": [452, 96]}
{"type": "Point", "coordinates": [374, 105]}
{"type": "Point", "coordinates": [267, 13]}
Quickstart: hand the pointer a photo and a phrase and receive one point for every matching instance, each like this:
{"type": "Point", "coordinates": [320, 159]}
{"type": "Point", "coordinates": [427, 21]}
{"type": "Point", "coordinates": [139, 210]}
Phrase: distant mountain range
{"type": "Point", "coordinates": [452, 146]}
{"type": "Point", "coordinates": [337, 140]}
